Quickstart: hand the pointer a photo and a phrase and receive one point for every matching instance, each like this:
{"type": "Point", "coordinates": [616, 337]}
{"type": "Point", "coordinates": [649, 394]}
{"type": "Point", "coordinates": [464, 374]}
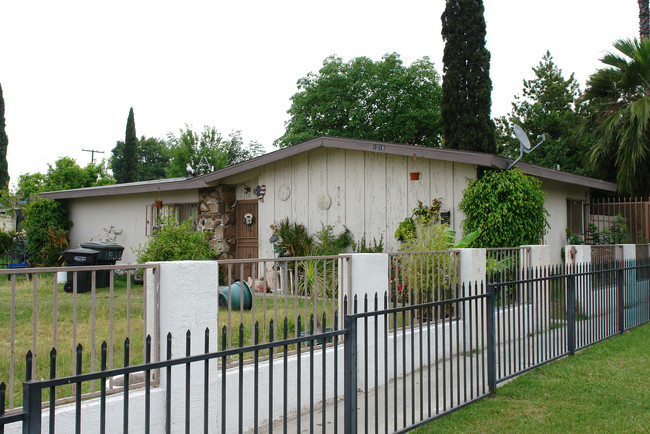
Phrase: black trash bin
{"type": "Point", "coordinates": [109, 253]}
{"type": "Point", "coordinates": [76, 258]}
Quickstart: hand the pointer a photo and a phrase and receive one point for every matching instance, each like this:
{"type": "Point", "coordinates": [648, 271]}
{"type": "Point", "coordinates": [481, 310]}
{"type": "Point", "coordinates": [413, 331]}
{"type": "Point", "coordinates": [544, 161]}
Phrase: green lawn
{"type": "Point", "coordinates": [604, 388]}
{"type": "Point", "coordinates": [45, 330]}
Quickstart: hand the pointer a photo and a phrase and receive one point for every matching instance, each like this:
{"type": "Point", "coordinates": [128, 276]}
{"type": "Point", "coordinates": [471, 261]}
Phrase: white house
{"type": "Point", "coordinates": [364, 185]}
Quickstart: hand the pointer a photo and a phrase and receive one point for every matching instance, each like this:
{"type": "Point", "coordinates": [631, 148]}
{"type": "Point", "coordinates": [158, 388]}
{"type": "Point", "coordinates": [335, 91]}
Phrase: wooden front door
{"type": "Point", "coordinates": [246, 240]}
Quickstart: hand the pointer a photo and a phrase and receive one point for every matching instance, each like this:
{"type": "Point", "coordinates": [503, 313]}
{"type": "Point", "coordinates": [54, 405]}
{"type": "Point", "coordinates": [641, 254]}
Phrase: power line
{"type": "Point", "coordinates": [92, 154]}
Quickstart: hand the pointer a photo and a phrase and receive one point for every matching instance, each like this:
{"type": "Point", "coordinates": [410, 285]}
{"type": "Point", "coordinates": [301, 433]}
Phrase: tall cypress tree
{"type": "Point", "coordinates": [4, 142]}
{"type": "Point", "coordinates": [129, 152]}
{"type": "Point", "coordinates": [466, 84]}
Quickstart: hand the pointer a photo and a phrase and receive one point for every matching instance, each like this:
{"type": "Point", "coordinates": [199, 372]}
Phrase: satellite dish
{"type": "Point", "coordinates": [524, 144]}
{"type": "Point", "coordinates": [523, 138]}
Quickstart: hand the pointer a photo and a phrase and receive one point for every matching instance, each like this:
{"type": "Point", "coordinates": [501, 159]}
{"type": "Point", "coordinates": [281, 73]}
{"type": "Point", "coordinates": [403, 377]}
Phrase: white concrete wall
{"type": "Point", "coordinates": [127, 213]}
{"type": "Point", "coordinates": [556, 205]}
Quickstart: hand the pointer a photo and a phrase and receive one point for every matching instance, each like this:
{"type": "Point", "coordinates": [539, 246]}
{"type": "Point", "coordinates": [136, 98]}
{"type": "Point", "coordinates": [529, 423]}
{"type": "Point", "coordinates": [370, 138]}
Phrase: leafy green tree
{"type": "Point", "coordinates": [126, 156]}
{"type": "Point", "coordinates": [466, 84]}
{"type": "Point", "coordinates": [549, 104]}
{"type": "Point", "coordinates": [362, 99]}
{"type": "Point", "coordinates": [507, 207]}
{"type": "Point", "coordinates": [153, 157]}
{"type": "Point", "coordinates": [66, 174]}
{"type": "Point", "coordinates": [206, 151]}
{"type": "Point", "coordinates": [619, 120]}
{"type": "Point", "coordinates": [4, 143]}
{"type": "Point", "coordinates": [44, 219]}
{"type": "Point", "coordinates": [29, 184]}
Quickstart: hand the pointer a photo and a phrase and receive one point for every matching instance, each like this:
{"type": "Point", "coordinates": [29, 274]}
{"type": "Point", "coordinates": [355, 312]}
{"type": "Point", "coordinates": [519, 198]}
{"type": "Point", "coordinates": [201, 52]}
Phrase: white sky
{"type": "Point", "coordinates": [70, 70]}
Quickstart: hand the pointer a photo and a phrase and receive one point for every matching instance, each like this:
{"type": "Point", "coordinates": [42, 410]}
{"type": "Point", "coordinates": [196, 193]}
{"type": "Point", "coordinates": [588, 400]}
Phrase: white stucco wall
{"type": "Point", "coordinates": [556, 205]}
{"type": "Point", "coordinates": [127, 213]}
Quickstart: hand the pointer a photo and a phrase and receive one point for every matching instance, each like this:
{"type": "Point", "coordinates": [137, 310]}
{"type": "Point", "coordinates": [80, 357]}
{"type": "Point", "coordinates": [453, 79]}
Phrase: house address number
{"type": "Point", "coordinates": [377, 147]}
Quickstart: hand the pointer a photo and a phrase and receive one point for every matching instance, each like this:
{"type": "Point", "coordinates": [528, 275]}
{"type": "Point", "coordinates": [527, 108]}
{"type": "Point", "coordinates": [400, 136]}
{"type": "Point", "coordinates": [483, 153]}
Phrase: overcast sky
{"type": "Point", "coordinates": [70, 71]}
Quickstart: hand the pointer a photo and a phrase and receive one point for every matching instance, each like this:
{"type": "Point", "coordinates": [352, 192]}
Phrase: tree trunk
{"type": "Point", "coordinates": [644, 19]}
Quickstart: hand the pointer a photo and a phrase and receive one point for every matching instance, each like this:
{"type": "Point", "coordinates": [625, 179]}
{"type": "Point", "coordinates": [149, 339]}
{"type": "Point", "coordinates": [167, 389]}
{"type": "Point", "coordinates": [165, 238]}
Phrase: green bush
{"type": "Point", "coordinates": [42, 218]}
{"type": "Point", "coordinates": [176, 242]}
{"type": "Point", "coordinates": [6, 241]}
{"type": "Point", "coordinates": [364, 246]}
{"type": "Point", "coordinates": [507, 207]}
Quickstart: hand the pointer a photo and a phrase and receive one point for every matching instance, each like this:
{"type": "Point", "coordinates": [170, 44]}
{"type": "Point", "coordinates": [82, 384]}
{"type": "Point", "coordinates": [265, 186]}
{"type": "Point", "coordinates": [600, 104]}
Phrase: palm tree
{"type": "Point", "coordinates": [619, 97]}
{"type": "Point", "coordinates": [644, 19]}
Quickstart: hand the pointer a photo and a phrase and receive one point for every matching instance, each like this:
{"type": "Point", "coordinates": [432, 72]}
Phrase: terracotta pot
{"type": "Point", "coordinates": [415, 176]}
{"type": "Point", "coordinates": [158, 203]}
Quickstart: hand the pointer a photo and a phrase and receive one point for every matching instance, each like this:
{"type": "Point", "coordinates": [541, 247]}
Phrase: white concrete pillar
{"type": "Point", "coordinates": [472, 266]}
{"type": "Point", "coordinates": [538, 256]}
{"type": "Point", "coordinates": [369, 276]}
{"type": "Point", "coordinates": [472, 269]}
{"type": "Point", "coordinates": [189, 300]}
{"type": "Point", "coordinates": [627, 252]}
{"type": "Point", "coordinates": [577, 254]}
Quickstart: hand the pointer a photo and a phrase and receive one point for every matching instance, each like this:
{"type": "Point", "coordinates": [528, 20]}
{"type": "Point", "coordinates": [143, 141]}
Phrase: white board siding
{"type": "Point", "coordinates": [336, 190]}
{"type": "Point", "coordinates": [354, 192]}
{"type": "Point", "coordinates": [461, 175]}
{"type": "Point", "coordinates": [282, 172]}
{"type": "Point", "coordinates": [300, 189]}
{"type": "Point", "coordinates": [397, 180]}
{"type": "Point", "coordinates": [370, 192]}
{"type": "Point", "coordinates": [374, 197]}
{"type": "Point", "coordinates": [317, 185]}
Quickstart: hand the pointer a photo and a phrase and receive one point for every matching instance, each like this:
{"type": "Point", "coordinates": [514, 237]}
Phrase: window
{"type": "Point", "coordinates": [182, 211]}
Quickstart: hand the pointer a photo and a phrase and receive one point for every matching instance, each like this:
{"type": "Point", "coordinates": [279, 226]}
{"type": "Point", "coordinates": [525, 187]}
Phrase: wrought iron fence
{"type": "Point", "coordinates": [256, 291]}
{"type": "Point", "coordinates": [393, 372]}
{"type": "Point", "coordinates": [419, 277]}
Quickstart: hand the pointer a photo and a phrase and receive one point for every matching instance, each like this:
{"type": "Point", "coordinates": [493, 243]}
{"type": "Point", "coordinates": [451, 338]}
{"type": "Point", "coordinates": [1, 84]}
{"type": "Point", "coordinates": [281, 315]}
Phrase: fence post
{"type": "Point", "coordinates": [31, 407]}
{"type": "Point", "coordinates": [350, 374]}
{"type": "Point", "coordinates": [491, 356]}
{"type": "Point", "coordinates": [571, 309]}
{"type": "Point", "coordinates": [620, 278]}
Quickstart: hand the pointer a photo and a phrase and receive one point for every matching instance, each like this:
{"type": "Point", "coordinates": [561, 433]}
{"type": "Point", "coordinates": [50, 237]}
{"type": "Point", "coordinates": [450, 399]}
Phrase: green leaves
{"type": "Point", "coordinates": [507, 207]}
{"type": "Point", "coordinates": [362, 99]}
{"type": "Point", "coordinates": [466, 87]}
{"type": "Point", "coordinates": [176, 242]}
{"type": "Point", "coordinates": [66, 174]}
{"type": "Point", "coordinates": [549, 104]}
{"type": "Point", "coordinates": [619, 96]}
{"type": "Point", "coordinates": [191, 148]}
{"type": "Point", "coordinates": [45, 221]}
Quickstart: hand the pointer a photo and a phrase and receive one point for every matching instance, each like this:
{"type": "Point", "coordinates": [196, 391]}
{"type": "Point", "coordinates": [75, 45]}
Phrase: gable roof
{"type": "Point", "coordinates": [443, 154]}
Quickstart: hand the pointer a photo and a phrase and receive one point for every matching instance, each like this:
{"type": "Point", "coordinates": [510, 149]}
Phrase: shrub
{"type": "Point", "coordinates": [365, 247]}
{"type": "Point", "coordinates": [6, 241]}
{"type": "Point", "coordinates": [42, 218]}
{"type": "Point", "coordinates": [176, 242]}
{"type": "Point", "coordinates": [508, 208]}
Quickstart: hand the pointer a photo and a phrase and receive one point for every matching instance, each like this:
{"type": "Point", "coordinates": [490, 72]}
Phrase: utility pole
{"type": "Point", "coordinates": [92, 154]}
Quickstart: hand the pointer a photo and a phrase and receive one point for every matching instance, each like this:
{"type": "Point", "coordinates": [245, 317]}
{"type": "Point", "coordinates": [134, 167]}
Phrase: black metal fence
{"type": "Point", "coordinates": [396, 366]}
